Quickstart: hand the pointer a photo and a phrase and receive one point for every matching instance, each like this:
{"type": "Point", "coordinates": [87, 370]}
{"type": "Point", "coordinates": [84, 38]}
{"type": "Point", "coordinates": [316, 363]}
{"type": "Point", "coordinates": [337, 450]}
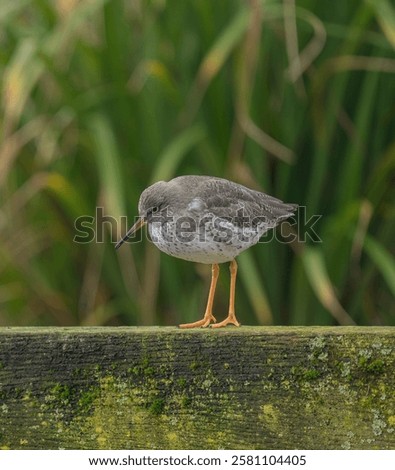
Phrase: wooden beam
{"type": "Point", "coordinates": [165, 388]}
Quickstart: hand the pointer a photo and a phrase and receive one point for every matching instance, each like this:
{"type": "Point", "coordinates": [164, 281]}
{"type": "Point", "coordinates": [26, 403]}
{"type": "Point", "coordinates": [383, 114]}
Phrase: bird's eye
{"type": "Point", "coordinates": [151, 211]}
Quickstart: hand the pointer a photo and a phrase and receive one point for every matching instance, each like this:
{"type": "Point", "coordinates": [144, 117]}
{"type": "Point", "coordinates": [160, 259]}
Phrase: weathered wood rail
{"type": "Point", "coordinates": [165, 388]}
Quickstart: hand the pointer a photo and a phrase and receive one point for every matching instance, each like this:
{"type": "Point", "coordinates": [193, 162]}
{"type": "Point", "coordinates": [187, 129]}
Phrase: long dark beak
{"type": "Point", "coordinates": [140, 222]}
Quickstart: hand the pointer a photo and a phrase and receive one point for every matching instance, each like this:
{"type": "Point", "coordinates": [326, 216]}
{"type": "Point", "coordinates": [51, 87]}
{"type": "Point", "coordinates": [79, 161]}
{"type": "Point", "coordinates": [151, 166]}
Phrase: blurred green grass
{"type": "Point", "coordinates": [101, 98]}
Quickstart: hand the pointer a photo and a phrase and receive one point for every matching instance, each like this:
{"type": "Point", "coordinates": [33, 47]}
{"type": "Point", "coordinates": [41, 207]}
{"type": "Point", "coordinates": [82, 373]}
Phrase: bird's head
{"type": "Point", "coordinates": [152, 200]}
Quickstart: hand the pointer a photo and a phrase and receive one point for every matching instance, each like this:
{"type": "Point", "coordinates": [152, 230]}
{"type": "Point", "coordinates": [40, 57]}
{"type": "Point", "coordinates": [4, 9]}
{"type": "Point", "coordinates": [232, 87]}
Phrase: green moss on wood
{"type": "Point", "coordinates": [372, 366]}
{"type": "Point", "coordinates": [87, 399]}
{"type": "Point", "coordinates": [157, 406]}
{"type": "Point", "coordinates": [166, 388]}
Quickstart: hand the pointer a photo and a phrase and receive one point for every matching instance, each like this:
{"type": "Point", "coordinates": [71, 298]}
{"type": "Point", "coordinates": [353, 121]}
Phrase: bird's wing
{"type": "Point", "coordinates": [233, 201]}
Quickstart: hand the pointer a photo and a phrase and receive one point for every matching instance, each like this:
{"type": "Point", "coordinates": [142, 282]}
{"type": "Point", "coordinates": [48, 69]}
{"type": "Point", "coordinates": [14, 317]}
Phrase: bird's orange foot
{"type": "Point", "coordinates": [203, 323]}
{"type": "Point", "coordinates": [229, 320]}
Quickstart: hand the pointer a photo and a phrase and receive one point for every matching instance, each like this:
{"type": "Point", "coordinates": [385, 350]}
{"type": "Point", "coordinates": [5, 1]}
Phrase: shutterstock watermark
{"type": "Point", "coordinates": [168, 228]}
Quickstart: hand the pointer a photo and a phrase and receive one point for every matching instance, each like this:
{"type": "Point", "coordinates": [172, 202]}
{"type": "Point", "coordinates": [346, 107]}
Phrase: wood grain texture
{"type": "Point", "coordinates": [165, 388]}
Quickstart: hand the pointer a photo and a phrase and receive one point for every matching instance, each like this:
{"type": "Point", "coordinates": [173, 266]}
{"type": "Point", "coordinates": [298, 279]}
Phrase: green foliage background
{"type": "Point", "coordinates": [101, 98]}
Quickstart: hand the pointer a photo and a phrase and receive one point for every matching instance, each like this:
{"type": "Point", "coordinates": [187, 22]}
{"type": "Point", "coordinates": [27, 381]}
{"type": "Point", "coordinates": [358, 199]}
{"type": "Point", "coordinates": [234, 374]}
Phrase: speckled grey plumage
{"type": "Point", "coordinates": [207, 219]}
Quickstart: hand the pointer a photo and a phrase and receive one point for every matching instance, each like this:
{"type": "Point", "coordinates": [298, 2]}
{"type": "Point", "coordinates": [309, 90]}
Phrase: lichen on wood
{"type": "Point", "coordinates": [165, 388]}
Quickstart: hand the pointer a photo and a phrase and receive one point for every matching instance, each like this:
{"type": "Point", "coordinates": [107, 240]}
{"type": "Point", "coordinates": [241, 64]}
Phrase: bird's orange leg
{"type": "Point", "coordinates": [208, 316]}
{"type": "Point", "coordinates": [231, 318]}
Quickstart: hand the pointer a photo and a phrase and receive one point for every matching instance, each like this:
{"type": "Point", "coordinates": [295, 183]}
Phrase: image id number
{"type": "Point", "coordinates": [269, 460]}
